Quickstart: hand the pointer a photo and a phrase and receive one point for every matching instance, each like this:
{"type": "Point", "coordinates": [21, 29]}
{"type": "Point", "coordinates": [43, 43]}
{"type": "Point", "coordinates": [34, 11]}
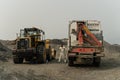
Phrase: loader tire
{"type": "Point", "coordinates": [96, 61]}
{"type": "Point", "coordinates": [40, 59]}
{"type": "Point", "coordinates": [27, 59]}
{"type": "Point", "coordinates": [18, 60]}
{"type": "Point", "coordinates": [70, 63]}
{"type": "Point", "coordinates": [15, 60]}
{"type": "Point", "coordinates": [41, 56]}
{"type": "Point", "coordinates": [48, 55]}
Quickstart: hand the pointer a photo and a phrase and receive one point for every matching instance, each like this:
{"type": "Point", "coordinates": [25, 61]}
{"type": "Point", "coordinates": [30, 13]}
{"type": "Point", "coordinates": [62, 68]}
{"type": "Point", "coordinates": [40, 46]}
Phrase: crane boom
{"type": "Point", "coordinates": [84, 28]}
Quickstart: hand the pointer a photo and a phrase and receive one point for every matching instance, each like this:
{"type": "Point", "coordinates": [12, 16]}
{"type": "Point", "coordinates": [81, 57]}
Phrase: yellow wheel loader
{"type": "Point", "coordinates": [31, 46]}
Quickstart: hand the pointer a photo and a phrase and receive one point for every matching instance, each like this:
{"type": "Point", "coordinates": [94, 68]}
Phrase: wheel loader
{"type": "Point", "coordinates": [31, 46]}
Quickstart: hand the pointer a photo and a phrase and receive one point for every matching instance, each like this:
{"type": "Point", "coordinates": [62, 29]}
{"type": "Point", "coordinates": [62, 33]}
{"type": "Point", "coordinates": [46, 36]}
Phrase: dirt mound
{"type": "Point", "coordinates": [5, 52]}
{"type": "Point", "coordinates": [115, 48]}
{"type": "Point", "coordinates": [59, 41]}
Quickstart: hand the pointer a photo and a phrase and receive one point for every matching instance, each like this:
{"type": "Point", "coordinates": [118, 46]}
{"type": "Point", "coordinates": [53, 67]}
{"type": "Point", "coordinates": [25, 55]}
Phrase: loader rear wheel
{"type": "Point", "coordinates": [41, 56]}
{"type": "Point", "coordinates": [70, 63]}
{"type": "Point", "coordinates": [96, 61]}
{"type": "Point", "coordinates": [48, 55]}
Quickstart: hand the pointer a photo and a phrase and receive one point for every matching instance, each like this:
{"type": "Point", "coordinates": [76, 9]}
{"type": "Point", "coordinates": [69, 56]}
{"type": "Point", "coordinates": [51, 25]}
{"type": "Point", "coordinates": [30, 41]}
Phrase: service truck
{"type": "Point", "coordinates": [85, 42]}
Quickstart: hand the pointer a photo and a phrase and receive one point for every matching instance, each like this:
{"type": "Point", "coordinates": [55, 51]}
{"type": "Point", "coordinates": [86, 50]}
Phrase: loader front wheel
{"type": "Point", "coordinates": [41, 56]}
{"type": "Point", "coordinates": [20, 60]}
{"type": "Point", "coordinates": [17, 60]}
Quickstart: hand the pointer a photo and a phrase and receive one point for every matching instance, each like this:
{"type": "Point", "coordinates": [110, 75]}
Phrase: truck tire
{"type": "Point", "coordinates": [41, 56]}
{"type": "Point", "coordinates": [70, 63]}
{"type": "Point", "coordinates": [96, 61]}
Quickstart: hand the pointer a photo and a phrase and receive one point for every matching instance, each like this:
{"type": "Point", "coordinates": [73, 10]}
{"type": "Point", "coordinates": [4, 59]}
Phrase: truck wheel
{"type": "Point", "coordinates": [96, 61]}
{"type": "Point", "coordinates": [41, 57]}
{"type": "Point", "coordinates": [70, 63]}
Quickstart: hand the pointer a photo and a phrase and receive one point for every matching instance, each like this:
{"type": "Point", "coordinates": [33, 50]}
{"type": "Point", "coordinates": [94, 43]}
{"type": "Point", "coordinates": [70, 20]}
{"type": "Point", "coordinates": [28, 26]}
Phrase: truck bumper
{"type": "Point", "coordinates": [85, 55]}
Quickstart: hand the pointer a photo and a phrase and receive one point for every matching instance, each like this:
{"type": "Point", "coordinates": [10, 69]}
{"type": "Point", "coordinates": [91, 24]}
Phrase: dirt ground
{"type": "Point", "coordinates": [109, 70]}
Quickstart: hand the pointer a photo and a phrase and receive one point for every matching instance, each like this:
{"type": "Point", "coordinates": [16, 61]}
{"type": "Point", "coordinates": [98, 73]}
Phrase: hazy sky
{"type": "Point", "coordinates": [53, 16]}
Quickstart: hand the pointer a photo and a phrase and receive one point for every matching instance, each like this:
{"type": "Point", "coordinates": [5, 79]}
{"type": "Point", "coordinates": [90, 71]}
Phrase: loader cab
{"type": "Point", "coordinates": [36, 35]}
{"type": "Point", "coordinates": [29, 37]}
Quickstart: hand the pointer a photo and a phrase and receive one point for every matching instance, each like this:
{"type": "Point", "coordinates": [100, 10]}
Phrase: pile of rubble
{"type": "Point", "coordinates": [5, 53]}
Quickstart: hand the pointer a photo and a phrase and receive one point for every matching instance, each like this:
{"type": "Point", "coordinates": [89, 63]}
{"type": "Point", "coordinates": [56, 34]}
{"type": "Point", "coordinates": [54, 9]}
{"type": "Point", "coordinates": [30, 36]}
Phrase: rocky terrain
{"type": "Point", "coordinates": [109, 69]}
{"type": "Point", "coordinates": [5, 52]}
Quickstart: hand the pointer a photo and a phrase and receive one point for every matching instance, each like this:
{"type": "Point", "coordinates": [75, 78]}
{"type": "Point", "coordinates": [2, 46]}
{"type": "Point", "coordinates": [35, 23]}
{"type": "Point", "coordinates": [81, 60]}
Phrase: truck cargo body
{"type": "Point", "coordinates": [85, 42]}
